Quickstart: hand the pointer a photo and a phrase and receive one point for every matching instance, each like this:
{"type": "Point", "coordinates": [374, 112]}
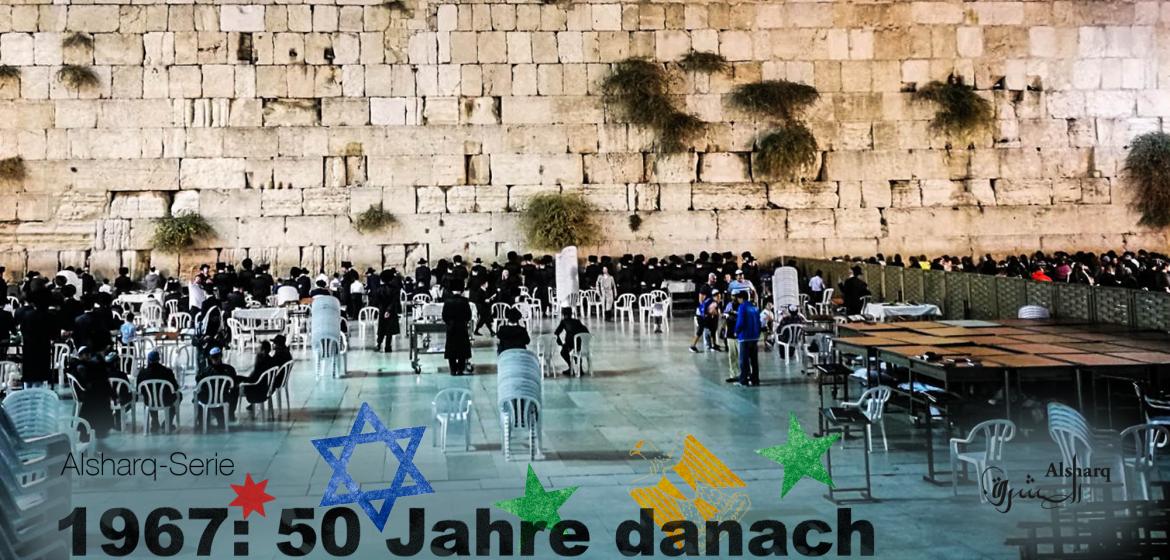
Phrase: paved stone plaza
{"type": "Point", "coordinates": [646, 387]}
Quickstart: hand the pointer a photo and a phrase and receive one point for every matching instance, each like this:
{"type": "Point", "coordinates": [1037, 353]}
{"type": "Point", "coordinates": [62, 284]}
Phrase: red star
{"type": "Point", "coordinates": [251, 496]}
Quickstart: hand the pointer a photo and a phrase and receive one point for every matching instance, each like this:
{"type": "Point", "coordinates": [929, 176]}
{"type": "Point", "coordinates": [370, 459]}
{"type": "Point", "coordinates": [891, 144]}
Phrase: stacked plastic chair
{"type": "Point", "coordinates": [519, 399]}
{"type": "Point", "coordinates": [35, 492]}
{"type": "Point", "coordinates": [785, 287]}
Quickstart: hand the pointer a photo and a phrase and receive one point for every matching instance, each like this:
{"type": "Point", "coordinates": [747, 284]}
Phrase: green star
{"type": "Point", "coordinates": [801, 456]}
{"type": "Point", "coordinates": [537, 506]}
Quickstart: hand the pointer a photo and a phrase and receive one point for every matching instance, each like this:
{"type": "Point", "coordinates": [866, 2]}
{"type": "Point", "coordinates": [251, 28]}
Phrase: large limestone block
{"type": "Point", "coordinates": [803, 195]}
{"type": "Point", "coordinates": [233, 203]}
{"type": "Point", "coordinates": [92, 19]}
{"type": "Point", "coordinates": [1015, 192]}
{"type": "Point", "coordinates": [674, 196]}
{"type": "Point", "coordinates": [281, 202]}
{"type": "Point", "coordinates": [461, 228]}
{"type": "Point", "coordinates": [811, 223]}
{"type": "Point", "coordinates": [491, 198]}
{"type": "Point", "coordinates": [770, 224]}
{"type": "Point", "coordinates": [102, 175]}
{"type": "Point", "coordinates": [212, 173]}
{"type": "Point", "coordinates": [247, 19]}
{"type": "Point", "coordinates": [58, 235]}
{"type": "Point", "coordinates": [614, 168]}
{"type": "Point", "coordinates": [438, 170]}
{"type": "Point", "coordinates": [607, 198]}
{"type": "Point", "coordinates": [673, 168]}
{"type": "Point", "coordinates": [518, 195]}
{"type": "Point", "coordinates": [139, 205]}
{"type": "Point", "coordinates": [298, 173]}
{"type": "Point", "coordinates": [26, 115]}
{"type": "Point", "coordinates": [679, 226]}
{"type": "Point", "coordinates": [741, 196]}
{"type": "Point", "coordinates": [858, 222]}
{"type": "Point", "coordinates": [325, 201]}
{"type": "Point", "coordinates": [724, 168]}
{"type": "Point", "coordinates": [292, 112]}
{"type": "Point", "coordinates": [431, 200]}
{"type": "Point", "coordinates": [260, 232]}
{"type": "Point", "coordinates": [514, 169]}
{"type": "Point", "coordinates": [566, 109]}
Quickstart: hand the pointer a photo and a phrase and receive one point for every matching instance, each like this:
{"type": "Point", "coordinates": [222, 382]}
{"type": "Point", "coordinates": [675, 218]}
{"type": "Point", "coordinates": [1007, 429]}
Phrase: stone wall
{"type": "Point", "coordinates": [279, 122]}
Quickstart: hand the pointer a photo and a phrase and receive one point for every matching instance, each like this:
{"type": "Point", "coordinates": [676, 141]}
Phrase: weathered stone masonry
{"type": "Point", "coordinates": [279, 121]}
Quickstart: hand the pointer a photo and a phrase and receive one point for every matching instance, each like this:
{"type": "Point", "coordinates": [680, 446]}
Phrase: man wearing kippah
{"type": "Point", "coordinates": [156, 370]}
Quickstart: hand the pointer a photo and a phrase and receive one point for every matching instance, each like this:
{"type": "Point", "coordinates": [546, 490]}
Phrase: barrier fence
{"type": "Point", "coordinates": [967, 295]}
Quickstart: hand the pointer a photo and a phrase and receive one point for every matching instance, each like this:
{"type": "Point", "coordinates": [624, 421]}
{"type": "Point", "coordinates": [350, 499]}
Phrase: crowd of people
{"type": "Point", "coordinates": [1129, 269]}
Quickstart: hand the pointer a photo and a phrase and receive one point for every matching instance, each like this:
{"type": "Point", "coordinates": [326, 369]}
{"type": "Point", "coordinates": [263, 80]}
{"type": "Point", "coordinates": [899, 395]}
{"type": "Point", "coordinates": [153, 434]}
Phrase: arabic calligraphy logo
{"type": "Point", "coordinates": [1069, 488]}
{"type": "Point", "coordinates": [712, 497]}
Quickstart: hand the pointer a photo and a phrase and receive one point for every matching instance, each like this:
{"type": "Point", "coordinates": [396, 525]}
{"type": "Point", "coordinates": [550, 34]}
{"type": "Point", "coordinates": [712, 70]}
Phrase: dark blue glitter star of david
{"type": "Point", "coordinates": [354, 493]}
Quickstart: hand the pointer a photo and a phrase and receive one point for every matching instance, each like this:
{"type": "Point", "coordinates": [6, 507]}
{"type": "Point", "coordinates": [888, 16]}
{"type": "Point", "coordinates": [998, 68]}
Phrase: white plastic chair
{"type": "Point", "coordinates": [61, 354]}
{"type": "Point", "coordinates": [794, 334]}
{"type": "Point", "coordinates": [34, 412]}
{"type": "Point", "coordinates": [590, 303]}
{"type": "Point", "coordinates": [521, 414]}
{"type": "Point", "coordinates": [663, 297]}
{"type": "Point", "coordinates": [267, 380]}
{"type": "Point", "coordinates": [182, 359]}
{"type": "Point", "coordinates": [623, 307]}
{"type": "Point", "coordinates": [218, 387]}
{"type": "Point", "coordinates": [546, 351]}
{"type": "Point", "coordinates": [420, 299]}
{"type": "Point", "coordinates": [825, 306]}
{"type": "Point", "coordinates": [1142, 440]}
{"type": "Point", "coordinates": [179, 322]}
{"type": "Point", "coordinates": [14, 302]}
{"type": "Point", "coordinates": [872, 405]}
{"type": "Point", "coordinates": [452, 406]}
{"type": "Point", "coordinates": [281, 380]}
{"type": "Point", "coordinates": [9, 372]}
{"type": "Point", "coordinates": [74, 427]}
{"type": "Point", "coordinates": [153, 394]}
{"type": "Point", "coordinates": [645, 302]}
{"type": "Point", "coordinates": [1033, 312]}
{"type": "Point", "coordinates": [995, 433]}
{"type": "Point", "coordinates": [581, 356]}
{"type": "Point", "coordinates": [367, 319]}
{"type": "Point", "coordinates": [499, 314]}
{"type": "Point", "coordinates": [1070, 431]}
{"type": "Point", "coordinates": [76, 390]}
{"type": "Point", "coordinates": [242, 339]}
{"type": "Point", "coordinates": [172, 306]}
{"type": "Point", "coordinates": [122, 387]}
{"type": "Point", "coordinates": [151, 314]}
{"type": "Point", "coordinates": [329, 349]}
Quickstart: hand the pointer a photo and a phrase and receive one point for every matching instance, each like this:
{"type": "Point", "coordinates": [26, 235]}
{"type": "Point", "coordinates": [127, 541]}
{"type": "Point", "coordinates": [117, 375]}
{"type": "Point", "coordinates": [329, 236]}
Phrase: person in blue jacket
{"type": "Point", "coordinates": [747, 332]}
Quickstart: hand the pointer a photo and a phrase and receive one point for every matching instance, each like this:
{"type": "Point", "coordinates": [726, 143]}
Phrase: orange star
{"type": "Point", "coordinates": [251, 496]}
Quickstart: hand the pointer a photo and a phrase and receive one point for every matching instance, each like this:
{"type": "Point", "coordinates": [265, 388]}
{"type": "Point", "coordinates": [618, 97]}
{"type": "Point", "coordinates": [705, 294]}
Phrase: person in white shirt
{"type": "Point", "coordinates": [816, 287]}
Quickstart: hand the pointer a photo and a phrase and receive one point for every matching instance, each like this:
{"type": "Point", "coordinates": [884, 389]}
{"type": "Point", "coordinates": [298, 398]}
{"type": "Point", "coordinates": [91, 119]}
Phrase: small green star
{"type": "Point", "coordinates": [801, 456]}
{"type": "Point", "coordinates": [537, 506]}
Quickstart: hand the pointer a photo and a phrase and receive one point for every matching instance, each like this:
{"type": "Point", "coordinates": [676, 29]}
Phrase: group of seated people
{"type": "Point", "coordinates": [1130, 269]}
{"type": "Point", "coordinates": [94, 371]}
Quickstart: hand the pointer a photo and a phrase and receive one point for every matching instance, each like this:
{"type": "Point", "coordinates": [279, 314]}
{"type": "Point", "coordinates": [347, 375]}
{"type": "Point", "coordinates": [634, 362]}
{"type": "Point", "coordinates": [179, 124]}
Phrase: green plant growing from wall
{"type": "Point", "coordinates": [778, 99]}
{"type": "Point", "coordinates": [961, 111]}
{"type": "Point", "coordinates": [176, 233]}
{"type": "Point", "coordinates": [1147, 169]}
{"type": "Point", "coordinates": [373, 219]}
{"type": "Point", "coordinates": [640, 90]}
{"type": "Point", "coordinates": [12, 169]}
{"type": "Point", "coordinates": [705, 62]}
{"type": "Point", "coordinates": [553, 221]}
{"type": "Point", "coordinates": [9, 72]}
{"type": "Point", "coordinates": [789, 148]}
{"type": "Point", "coordinates": [635, 222]}
{"type": "Point", "coordinates": [77, 41]}
{"type": "Point", "coordinates": [78, 77]}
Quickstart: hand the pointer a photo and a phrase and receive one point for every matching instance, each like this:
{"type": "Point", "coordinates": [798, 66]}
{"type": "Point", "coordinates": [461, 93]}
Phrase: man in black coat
{"type": "Point", "coordinates": [852, 290]}
{"type": "Point", "coordinates": [512, 334]}
{"type": "Point", "coordinates": [123, 284]}
{"type": "Point", "coordinates": [571, 327]}
{"type": "Point", "coordinates": [456, 315]}
{"type": "Point", "coordinates": [481, 296]}
{"type": "Point", "coordinates": [216, 366]}
{"type": "Point", "coordinates": [387, 298]}
{"type": "Point", "coordinates": [422, 277]}
{"type": "Point", "coordinates": [154, 370]}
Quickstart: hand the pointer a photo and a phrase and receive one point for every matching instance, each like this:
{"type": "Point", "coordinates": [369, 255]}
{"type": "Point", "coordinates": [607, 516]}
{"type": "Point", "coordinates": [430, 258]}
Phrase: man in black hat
{"type": "Point", "coordinates": [387, 298]}
{"type": "Point", "coordinates": [456, 315]}
{"type": "Point", "coordinates": [422, 277]}
{"type": "Point", "coordinates": [478, 270]}
{"type": "Point", "coordinates": [852, 290]}
{"type": "Point", "coordinates": [458, 274]}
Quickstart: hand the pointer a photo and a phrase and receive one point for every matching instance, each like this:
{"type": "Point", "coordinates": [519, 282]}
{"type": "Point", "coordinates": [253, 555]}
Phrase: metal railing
{"type": "Point", "coordinates": [968, 295]}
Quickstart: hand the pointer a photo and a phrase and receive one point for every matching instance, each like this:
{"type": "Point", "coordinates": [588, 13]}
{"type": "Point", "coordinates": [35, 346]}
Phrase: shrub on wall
{"type": "Point", "coordinates": [635, 222]}
{"type": "Point", "coordinates": [553, 221]}
{"type": "Point", "coordinates": [706, 62]}
{"type": "Point", "coordinates": [12, 169]}
{"type": "Point", "coordinates": [9, 72]}
{"type": "Point", "coordinates": [789, 148]}
{"type": "Point", "coordinates": [640, 90]}
{"type": "Point", "coordinates": [77, 40]}
{"type": "Point", "coordinates": [373, 219]}
{"type": "Point", "coordinates": [78, 77]}
{"type": "Point", "coordinates": [787, 151]}
{"type": "Point", "coordinates": [175, 233]}
{"type": "Point", "coordinates": [779, 99]}
{"type": "Point", "coordinates": [1147, 168]}
{"type": "Point", "coordinates": [961, 112]}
